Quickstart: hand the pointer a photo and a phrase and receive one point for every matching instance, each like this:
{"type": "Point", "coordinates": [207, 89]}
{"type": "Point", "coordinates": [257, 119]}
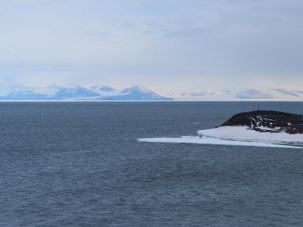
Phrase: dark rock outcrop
{"type": "Point", "coordinates": [268, 121]}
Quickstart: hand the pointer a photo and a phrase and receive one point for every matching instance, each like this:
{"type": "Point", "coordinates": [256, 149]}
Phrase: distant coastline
{"type": "Point", "coordinates": [141, 93]}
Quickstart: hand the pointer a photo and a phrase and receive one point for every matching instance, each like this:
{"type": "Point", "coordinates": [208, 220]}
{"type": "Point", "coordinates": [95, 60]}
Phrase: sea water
{"type": "Point", "coordinates": [80, 164]}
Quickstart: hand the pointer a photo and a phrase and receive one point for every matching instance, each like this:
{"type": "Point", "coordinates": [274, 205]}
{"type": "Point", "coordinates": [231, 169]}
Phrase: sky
{"type": "Point", "coordinates": [166, 45]}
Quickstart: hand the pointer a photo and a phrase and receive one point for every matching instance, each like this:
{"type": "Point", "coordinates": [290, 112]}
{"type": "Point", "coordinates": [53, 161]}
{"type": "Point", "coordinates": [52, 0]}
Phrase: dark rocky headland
{"type": "Point", "coordinates": [268, 121]}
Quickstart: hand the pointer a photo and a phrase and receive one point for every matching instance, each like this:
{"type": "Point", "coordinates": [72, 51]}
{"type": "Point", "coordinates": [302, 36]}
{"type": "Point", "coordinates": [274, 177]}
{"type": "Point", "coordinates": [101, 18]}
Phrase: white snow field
{"type": "Point", "coordinates": [236, 136]}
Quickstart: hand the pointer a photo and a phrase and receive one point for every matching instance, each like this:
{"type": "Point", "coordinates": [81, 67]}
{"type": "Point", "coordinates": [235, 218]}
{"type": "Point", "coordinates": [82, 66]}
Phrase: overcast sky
{"type": "Point", "coordinates": [166, 45]}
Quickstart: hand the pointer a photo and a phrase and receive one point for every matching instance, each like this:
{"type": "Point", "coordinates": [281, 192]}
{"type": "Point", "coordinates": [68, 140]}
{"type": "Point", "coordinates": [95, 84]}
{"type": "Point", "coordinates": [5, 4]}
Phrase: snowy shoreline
{"type": "Point", "coordinates": [245, 134]}
{"type": "Point", "coordinates": [236, 136]}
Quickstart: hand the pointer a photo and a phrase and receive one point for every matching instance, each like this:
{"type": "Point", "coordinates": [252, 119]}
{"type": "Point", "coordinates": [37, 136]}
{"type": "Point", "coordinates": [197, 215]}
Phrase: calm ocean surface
{"type": "Point", "coordinates": [79, 164]}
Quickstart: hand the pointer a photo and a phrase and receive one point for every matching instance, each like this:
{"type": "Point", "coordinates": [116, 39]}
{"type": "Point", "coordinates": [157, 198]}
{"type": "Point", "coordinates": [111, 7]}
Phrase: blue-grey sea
{"type": "Point", "coordinates": [79, 164]}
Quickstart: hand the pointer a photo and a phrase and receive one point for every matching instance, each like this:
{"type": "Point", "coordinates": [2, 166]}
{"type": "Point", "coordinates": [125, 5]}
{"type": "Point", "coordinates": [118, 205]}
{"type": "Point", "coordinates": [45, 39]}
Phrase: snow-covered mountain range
{"type": "Point", "coordinates": [140, 93]}
{"type": "Point", "coordinates": [235, 95]}
{"type": "Point", "coordinates": [135, 93]}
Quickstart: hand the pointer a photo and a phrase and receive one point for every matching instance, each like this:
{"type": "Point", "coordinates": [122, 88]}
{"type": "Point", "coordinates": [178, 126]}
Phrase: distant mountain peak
{"type": "Point", "coordinates": [98, 92]}
{"type": "Point", "coordinates": [23, 93]}
{"type": "Point", "coordinates": [286, 92]}
{"type": "Point", "coordinates": [74, 92]}
{"type": "Point", "coordinates": [253, 94]}
{"type": "Point", "coordinates": [137, 92]}
{"type": "Point", "coordinates": [102, 88]}
{"type": "Point", "coordinates": [20, 91]}
{"type": "Point", "coordinates": [137, 88]}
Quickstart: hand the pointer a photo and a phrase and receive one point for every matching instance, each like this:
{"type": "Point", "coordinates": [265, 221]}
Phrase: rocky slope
{"type": "Point", "coordinates": [268, 121]}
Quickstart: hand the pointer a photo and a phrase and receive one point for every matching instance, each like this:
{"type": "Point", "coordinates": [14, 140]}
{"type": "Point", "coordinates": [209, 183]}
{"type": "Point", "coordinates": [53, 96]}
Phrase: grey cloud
{"type": "Point", "coordinates": [194, 32]}
{"type": "Point", "coordinates": [198, 43]}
